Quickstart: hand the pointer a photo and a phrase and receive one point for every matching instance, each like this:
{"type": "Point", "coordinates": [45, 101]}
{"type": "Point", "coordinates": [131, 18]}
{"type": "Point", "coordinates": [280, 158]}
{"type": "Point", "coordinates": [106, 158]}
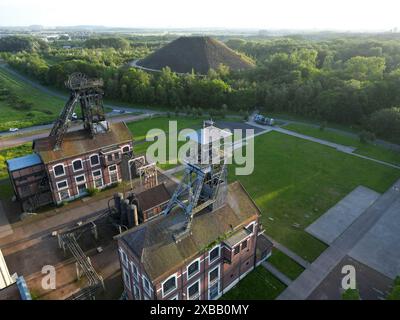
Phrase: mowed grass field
{"type": "Point", "coordinates": [140, 129]}
{"type": "Point", "coordinates": [366, 149]}
{"type": "Point", "coordinates": [45, 108]}
{"type": "Point", "coordinates": [285, 264]}
{"type": "Point", "coordinates": [259, 284]}
{"type": "Point", "coordinates": [295, 181]}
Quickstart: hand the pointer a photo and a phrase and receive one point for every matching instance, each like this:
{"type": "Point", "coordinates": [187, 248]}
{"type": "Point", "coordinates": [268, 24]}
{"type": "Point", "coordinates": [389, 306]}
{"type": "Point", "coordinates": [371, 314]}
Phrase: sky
{"type": "Point", "coordinates": [361, 15]}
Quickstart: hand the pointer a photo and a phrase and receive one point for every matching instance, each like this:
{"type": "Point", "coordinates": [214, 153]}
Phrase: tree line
{"type": "Point", "coordinates": [352, 81]}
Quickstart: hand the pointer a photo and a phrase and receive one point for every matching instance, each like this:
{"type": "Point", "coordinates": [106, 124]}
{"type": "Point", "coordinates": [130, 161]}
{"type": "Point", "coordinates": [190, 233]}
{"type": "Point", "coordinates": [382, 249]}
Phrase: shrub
{"type": "Point", "coordinates": [385, 123]}
{"type": "Point", "coordinates": [366, 136]}
{"type": "Point", "coordinates": [351, 294]}
{"type": "Point", "coordinates": [92, 191]}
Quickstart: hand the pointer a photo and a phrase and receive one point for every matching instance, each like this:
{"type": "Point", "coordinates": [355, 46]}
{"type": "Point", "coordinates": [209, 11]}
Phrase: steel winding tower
{"type": "Point", "coordinates": [204, 183]}
{"type": "Point", "coordinates": [88, 94]}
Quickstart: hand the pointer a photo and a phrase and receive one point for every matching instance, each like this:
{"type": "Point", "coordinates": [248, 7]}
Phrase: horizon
{"type": "Point", "coordinates": [335, 16]}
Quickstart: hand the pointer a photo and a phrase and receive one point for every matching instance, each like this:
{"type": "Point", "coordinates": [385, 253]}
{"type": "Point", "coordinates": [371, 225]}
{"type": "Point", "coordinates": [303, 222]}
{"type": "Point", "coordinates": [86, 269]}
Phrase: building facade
{"type": "Point", "coordinates": [83, 163]}
{"type": "Point", "coordinates": [200, 266]}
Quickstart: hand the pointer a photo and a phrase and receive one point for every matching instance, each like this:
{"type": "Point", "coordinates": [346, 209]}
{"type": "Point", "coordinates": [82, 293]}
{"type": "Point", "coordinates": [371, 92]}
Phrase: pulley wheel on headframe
{"type": "Point", "coordinates": [76, 81]}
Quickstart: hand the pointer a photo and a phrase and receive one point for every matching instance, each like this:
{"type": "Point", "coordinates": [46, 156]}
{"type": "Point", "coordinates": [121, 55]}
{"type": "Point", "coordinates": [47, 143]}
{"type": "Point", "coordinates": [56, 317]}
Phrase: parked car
{"type": "Point", "coordinates": [13, 129]}
{"type": "Point", "coordinates": [258, 118]}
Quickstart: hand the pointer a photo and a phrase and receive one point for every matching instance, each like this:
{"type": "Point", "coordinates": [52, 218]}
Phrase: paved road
{"type": "Point", "coordinates": [310, 279]}
{"type": "Point", "coordinates": [21, 139]}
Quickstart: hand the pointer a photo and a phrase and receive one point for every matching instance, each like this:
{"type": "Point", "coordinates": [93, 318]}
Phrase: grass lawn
{"type": "Point", "coordinates": [45, 108]}
{"type": "Point", "coordinates": [366, 149]}
{"type": "Point", "coordinates": [139, 130]}
{"type": "Point", "coordinates": [295, 181]}
{"type": "Point", "coordinates": [285, 264]}
{"type": "Point", "coordinates": [10, 153]}
{"type": "Point", "coordinates": [259, 284]}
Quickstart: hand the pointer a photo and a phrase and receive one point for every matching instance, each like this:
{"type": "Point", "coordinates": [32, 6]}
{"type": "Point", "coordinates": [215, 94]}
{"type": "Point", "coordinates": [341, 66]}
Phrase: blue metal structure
{"type": "Point", "coordinates": [23, 162]}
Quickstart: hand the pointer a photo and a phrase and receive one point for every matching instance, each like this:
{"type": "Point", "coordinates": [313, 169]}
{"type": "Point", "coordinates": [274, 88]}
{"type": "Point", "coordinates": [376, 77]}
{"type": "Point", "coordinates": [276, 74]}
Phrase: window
{"type": "Point", "coordinates": [80, 178]}
{"type": "Point", "coordinates": [193, 268]}
{"type": "Point", "coordinates": [213, 284]}
{"type": "Point", "coordinates": [127, 279]}
{"type": "Point", "coordinates": [97, 178]}
{"type": "Point", "coordinates": [214, 254]}
{"type": "Point", "coordinates": [116, 156]}
{"type": "Point", "coordinates": [244, 244]}
{"type": "Point", "coordinates": [113, 173]}
{"type": "Point", "coordinates": [125, 149]}
{"type": "Point", "coordinates": [193, 292]}
{"type": "Point", "coordinates": [214, 275]}
{"type": "Point", "coordinates": [59, 170]}
{"type": "Point", "coordinates": [109, 157]}
{"type": "Point", "coordinates": [169, 285]}
{"type": "Point", "coordinates": [250, 227]}
{"type": "Point", "coordinates": [97, 174]}
{"type": "Point", "coordinates": [62, 185]}
{"type": "Point", "coordinates": [175, 297]}
{"type": "Point", "coordinates": [236, 250]}
{"type": "Point", "coordinates": [82, 189]}
{"type": "Point", "coordinates": [94, 160]}
{"type": "Point", "coordinates": [77, 165]}
{"type": "Point", "coordinates": [64, 195]}
{"type": "Point", "coordinates": [146, 285]}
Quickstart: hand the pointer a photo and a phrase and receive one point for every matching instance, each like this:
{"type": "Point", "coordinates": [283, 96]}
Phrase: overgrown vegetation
{"type": "Point", "coordinates": [10, 153]}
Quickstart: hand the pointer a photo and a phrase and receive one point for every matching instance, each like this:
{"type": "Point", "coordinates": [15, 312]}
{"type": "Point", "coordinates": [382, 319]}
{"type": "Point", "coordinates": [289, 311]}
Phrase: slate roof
{"type": "Point", "coordinates": [153, 242]}
{"type": "Point", "coordinates": [153, 197]}
{"type": "Point", "coordinates": [79, 142]}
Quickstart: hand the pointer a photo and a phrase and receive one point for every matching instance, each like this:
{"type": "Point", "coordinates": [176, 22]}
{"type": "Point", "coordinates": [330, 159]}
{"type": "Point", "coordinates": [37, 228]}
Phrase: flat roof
{"type": "Point", "coordinates": [23, 162]}
{"type": "Point", "coordinates": [209, 134]}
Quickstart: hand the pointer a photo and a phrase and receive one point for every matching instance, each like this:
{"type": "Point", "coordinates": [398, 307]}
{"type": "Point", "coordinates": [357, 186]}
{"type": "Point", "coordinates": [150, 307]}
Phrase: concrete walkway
{"type": "Point", "coordinates": [282, 277]}
{"type": "Point", "coordinates": [338, 147]}
{"type": "Point", "coordinates": [308, 281]}
{"type": "Point", "coordinates": [5, 228]}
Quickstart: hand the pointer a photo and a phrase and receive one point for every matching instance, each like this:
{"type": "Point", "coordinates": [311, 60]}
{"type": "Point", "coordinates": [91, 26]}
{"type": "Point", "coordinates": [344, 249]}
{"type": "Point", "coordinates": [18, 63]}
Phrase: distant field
{"type": "Point", "coordinates": [44, 108]}
{"type": "Point", "coordinates": [296, 181]}
{"type": "Point", "coordinates": [369, 150]}
{"type": "Point", "coordinates": [259, 284]}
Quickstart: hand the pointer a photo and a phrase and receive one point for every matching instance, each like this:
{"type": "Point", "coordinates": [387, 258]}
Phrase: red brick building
{"type": "Point", "coordinates": [221, 249]}
{"type": "Point", "coordinates": [84, 162]}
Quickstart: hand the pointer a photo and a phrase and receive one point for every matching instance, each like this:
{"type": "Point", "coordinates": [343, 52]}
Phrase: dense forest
{"type": "Point", "coordinates": [346, 80]}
